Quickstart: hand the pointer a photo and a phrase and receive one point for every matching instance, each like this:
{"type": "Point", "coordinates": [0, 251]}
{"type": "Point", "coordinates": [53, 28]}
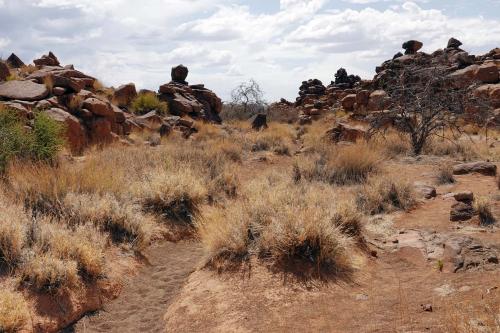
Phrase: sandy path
{"type": "Point", "coordinates": [143, 301]}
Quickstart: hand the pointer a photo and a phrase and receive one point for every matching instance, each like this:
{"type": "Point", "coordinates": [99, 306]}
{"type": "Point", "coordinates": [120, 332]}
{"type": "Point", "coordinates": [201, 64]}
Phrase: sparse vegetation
{"type": "Point", "coordinates": [445, 175]}
{"type": "Point", "coordinates": [384, 195]}
{"type": "Point", "coordinates": [14, 313]}
{"type": "Point", "coordinates": [482, 206]}
{"type": "Point", "coordinates": [148, 102]}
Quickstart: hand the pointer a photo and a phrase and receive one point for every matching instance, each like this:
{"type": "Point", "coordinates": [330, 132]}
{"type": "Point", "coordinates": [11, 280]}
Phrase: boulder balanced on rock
{"type": "Point", "coordinates": [412, 46]}
{"type": "Point", "coordinates": [195, 101]}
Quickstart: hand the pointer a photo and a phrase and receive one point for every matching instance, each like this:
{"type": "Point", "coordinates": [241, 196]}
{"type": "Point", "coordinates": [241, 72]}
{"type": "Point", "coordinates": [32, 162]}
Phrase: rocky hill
{"type": "Point", "coordinates": [93, 114]}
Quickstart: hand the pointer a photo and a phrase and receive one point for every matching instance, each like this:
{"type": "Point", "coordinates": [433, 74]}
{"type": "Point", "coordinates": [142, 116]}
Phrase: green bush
{"type": "Point", "coordinates": [40, 144]}
{"type": "Point", "coordinates": [148, 102]}
{"type": "Point", "coordinates": [14, 140]}
{"type": "Point", "coordinates": [47, 138]}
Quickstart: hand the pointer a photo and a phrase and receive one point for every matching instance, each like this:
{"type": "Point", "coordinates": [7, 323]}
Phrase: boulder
{"type": "Point", "coordinates": [485, 168]}
{"type": "Point", "coordinates": [98, 107]}
{"type": "Point", "coordinates": [20, 109]}
{"type": "Point", "coordinates": [14, 61]}
{"type": "Point", "coordinates": [463, 77]}
{"type": "Point", "coordinates": [4, 71]}
{"type": "Point", "coordinates": [348, 102]}
{"type": "Point", "coordinates": [150, 120]}
{"type": "Point", "coordinates": [344, 132]}
{"type": "Point", "coordinates": [23, 90]}
{"type": "Point", "coordinates": [487, 73]}
{"type": "Point", "coordinates": [412, 46]}
{"type": "Point", "coordinates": [426, 191]}
{"type": "Point", "coordinates": [47, 60]}
{"type": "Point", "coordinates": [59, 91]}
{"type": "Point", "coordinates": [179, 74]}
{"type": "Point", "coordinates": [464, 196]}
{"type": "Point", "coordinates": [378, 100]}
{"type": "Point", "coordinates": [125, 94]}
{"type": "Point", "coordinates": [363, 97]}
{"type": "Point", "coordinates": [75, 132]}
{"type": "Point", "coordinates": [100, 131]}
{"type": "Point", "coordinates": [259, 121]}
{"type": "Point", "coordinates": [461, 211]}
{"type": "Point", "coordinates": [454, 43]}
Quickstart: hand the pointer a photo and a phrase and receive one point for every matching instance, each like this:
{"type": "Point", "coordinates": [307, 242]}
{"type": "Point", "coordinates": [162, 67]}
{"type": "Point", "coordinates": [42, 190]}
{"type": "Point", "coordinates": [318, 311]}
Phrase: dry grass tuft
{"type": "Point", "coordinates": [277, 138]}
{"type": "Point", "coordinates": [46, 273]}
{"type": "Point", "coordinates": [341, 166]}
{"type": "Point", "coordinates": [482, 206]}
{"type": "Point", "coordinates": [12, 233]}
{"type": "Point", "coordinates": [444, 175]}
{"type": "Point", "coordinates": [173, 195]}
{"type": "Point", "coordinates": [124, 221]}
{"type": "Point", "coordinates": [285, 224]}
{"type": "Point", "coordinates": [383, 195]}
{"type": "Point", "coordinates": [14, 313]}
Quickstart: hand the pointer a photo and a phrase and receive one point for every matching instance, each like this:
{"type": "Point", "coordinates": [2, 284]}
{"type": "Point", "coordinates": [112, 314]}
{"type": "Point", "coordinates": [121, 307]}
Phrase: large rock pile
{"type": "Point", "coordinates": [479, 76]}
{"type": "Point", "coordinates": [66, 95]}
{"type": "Point", "coordinates": [194, 101]}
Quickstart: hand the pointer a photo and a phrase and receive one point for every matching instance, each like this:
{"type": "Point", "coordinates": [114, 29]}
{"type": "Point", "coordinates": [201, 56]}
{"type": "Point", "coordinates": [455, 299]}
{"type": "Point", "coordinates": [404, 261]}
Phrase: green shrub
{"type": "Point", "coordinates": [41, 143]}
{"type": "Point", "coordinates": [148, 102]}
{"type": "Point", "coordinates": [14, 141]}
{"type": "Point", "coordinates": [47, 138]}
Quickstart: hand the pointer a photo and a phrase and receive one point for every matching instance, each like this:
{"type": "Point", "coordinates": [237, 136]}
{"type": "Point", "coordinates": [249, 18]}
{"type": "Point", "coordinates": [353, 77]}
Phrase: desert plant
{"type": "Point", "coordinates": [246, 100]}
{"type": "Point", "coordinates": [284, 223]}
{"type": "Point", "coordinates": [423, 103]}
{"type": "Point", "coordinates": [47, 138]}
{"type": "Point", "coordinates": [148, 102]}
{"type": "Point", "coordinates": [382, 195]}
{"type": "Point", "coordinates": [342, 166]}
{"type": "Point", "coordinates": [482, 206]}
{"type": "Point", "coordinates": [48, 81]}
{"type": "Point", "coordinates": [13, 224]}
{"type": "Point", "coordinates": [46, 273]}
{"type": "Point", "coordinates": [444, 175]}
{"type": "Point", "coordinates": [14, 141]}
{"type": "Point", "coordinates": [14, 312]}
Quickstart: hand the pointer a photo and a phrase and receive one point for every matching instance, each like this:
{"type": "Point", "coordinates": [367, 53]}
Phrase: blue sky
{"type": "Point", "coordinates": [223, 42]}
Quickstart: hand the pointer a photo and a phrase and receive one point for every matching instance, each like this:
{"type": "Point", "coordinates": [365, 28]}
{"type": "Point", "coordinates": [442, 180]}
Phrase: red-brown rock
{"type": "Point", "coordinates": [75, 132]}
{"type": "Point", "coordinates": [98, 107]}
{"type": "Point", "coordinates": [487, 73]}
{"type": "Point", "coordinates": [125, 94]}
{"type": "Point", "coordinates": [348, 102]}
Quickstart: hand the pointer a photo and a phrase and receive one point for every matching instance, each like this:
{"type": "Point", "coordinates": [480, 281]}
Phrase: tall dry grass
{"type": "Point", "coordinates": [14, 313]}
{"type": "Point", "coordinates": [284, 223]}
{"type": "Point", "coordinates": [339, 165]}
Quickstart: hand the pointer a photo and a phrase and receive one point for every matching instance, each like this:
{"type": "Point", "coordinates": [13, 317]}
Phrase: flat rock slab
{"type": "Point", "coordinates": [485, 168]}
{"type": "Point", "coordinates": [23, 90]}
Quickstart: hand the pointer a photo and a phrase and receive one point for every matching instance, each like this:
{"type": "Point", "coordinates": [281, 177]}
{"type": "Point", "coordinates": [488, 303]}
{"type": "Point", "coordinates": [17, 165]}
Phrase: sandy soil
{"type": "Point", "coordinates": [390, 293]}
{"type": "Point", "coordinates": [142, 303]}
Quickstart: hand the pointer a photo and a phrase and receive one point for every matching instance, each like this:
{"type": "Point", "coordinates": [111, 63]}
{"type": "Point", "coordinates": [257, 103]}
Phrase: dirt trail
{"type": "Point", "coordinates": [142, 303]}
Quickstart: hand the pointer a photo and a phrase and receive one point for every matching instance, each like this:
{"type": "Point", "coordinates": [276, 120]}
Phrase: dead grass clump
{"type": "Point", "coordinates": [277, 138]}
{"type": "Point", "coordinates": [85, 245]}
{"type": "Point", "coordinates": [46, 273]}
{"type": "Point", "coordinates": [174, 195]}
{"type": "Point", "coordinates": [444, 175]}
{"type": "Point", "coordinates": [341, 166]}
{"type": "Point", "coordinates": [482, 206]}
{"type": "Point", "coordinates": [458, 148]}
{"type": "Point", "coordinates": [14, 312]}
{"type": "Point", "coordinates": [223, 186]}
{"type": "Point", "coordinates": [392, 144]}
{"type": "Point", "coordinates": [284, 224]}
{"type": "Point", "coordinates": [383, 195]}
{"type": "Point", "coordinates": [13, 224]}
{"type": "Point", "coordinates": [124, 221]}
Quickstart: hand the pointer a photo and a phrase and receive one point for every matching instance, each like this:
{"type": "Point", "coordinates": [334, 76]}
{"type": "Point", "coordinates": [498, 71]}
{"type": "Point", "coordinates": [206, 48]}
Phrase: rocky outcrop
{"type": "Point", "coordinates": [47, 60]}
{"type": "Point", "coordinates": [485, 168]}
{"type": "Point", "coordinates": [412, 46]}
{"type": "Point", "coordinates": [23, 90]}
{"type": "Point", "coordinates": [194, 101]}
{"type": "Point", "coordinates": [344, 132]}
{"type": "Point", "coordinates": [124, 95]}
{"type": "Point", "coordinates": [14, 61]}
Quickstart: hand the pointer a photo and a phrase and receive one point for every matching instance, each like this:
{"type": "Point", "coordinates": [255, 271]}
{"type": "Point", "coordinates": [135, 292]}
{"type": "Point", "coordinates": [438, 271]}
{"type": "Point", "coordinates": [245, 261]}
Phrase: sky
{"type": "Point", "coordinates": [279, 43]}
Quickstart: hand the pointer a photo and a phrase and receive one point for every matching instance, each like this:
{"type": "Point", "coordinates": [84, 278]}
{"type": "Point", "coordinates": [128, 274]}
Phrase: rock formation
{"type": "Point", "coordinates": [194, 101]}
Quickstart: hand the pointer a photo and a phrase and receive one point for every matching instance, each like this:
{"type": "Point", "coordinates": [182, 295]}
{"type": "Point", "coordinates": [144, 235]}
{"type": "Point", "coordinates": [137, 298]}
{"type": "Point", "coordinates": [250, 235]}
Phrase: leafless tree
{"type": "Point", "coordinates": [424, 102]}
{"type": "Point", "coordinates": [248, 95]}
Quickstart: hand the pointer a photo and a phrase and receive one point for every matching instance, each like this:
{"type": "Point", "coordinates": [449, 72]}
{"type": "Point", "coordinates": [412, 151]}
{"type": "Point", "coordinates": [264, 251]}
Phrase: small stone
{"type": "Point", "coordinates": [426, 307]}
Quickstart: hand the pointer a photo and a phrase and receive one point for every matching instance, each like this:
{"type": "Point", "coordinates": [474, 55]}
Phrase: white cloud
{"type": "Point", "coordinates": [226, 41]}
